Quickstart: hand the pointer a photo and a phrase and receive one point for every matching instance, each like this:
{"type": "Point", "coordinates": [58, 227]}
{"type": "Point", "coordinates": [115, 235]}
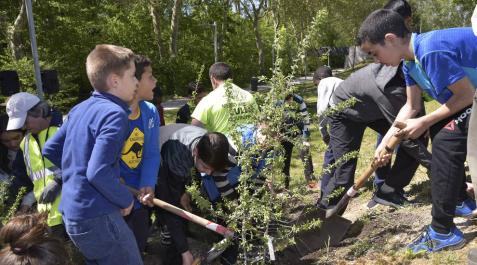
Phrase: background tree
{"type": "Point", "coordinates": [176, 14]}
{"type": "Point", "coordinates": [244, 33]}
{"type": "Point", "coordinates": [254, 11]}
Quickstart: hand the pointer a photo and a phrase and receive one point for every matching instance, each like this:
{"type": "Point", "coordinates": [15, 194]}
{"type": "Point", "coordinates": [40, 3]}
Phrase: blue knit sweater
{"type": "Point", "coordinates": [87, 148]}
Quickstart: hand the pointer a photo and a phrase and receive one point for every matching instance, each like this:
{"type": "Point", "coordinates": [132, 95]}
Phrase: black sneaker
{"type": "Point", "coordinates": [394, 199]}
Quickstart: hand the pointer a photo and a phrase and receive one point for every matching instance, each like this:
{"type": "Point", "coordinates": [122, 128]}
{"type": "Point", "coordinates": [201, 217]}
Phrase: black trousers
{"type": "Point", "coordinates": [346, 136]}
{"type": "Point", "coordinates": [305, 157]}
{"type": "Point", "coordinates": [138, 222]}
{"type": "Point", "coordinates": [449, 150]}
{"type": "Point", "coordinates": [170, 189]}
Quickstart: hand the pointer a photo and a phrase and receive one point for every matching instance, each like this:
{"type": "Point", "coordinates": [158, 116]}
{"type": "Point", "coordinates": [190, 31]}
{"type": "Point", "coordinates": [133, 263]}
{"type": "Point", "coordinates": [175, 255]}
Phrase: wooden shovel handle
{"type": "Point", "coordinates": [391, 145]}
{"type": "Point", "coordinates": [188, 215]}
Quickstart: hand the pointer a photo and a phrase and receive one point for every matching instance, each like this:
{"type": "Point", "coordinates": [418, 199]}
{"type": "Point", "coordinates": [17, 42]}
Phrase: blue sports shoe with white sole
{"type": "Point", "coordinates": [431, 241]}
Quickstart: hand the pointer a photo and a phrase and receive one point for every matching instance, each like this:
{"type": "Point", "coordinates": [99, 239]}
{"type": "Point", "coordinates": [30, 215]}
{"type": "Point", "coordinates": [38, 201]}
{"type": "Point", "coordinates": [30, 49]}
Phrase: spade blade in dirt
{"type": "Point", "coordinates": [330, 233]}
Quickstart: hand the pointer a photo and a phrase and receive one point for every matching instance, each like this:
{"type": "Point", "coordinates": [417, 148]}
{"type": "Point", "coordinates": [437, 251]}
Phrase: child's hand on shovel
{"type": "Point", "coordinates": [381, 155]}
{"type": "Point", "coordinates": [146, 196]}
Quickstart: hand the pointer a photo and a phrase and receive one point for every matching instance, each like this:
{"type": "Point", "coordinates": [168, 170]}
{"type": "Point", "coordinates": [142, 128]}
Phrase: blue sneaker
{"type": "Point", "coordinates": [431, 241]}
{"type": "Point", "coordinates": [465, 208]}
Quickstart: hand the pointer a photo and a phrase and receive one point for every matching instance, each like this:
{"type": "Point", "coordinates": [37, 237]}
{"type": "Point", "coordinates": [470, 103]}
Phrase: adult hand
{"type": "Point", "coordinates": [127, 211]}
{"type": "Point", "coordinates": [50, 192]}
{"type": "Point", "coordinates": [414, 128]}
{"type": "Point", "coordinates": [146, 196]}
{"type": "Point", "coordinates": [185, 202]}
{"type": "Point", "coordinates": [187, 258]}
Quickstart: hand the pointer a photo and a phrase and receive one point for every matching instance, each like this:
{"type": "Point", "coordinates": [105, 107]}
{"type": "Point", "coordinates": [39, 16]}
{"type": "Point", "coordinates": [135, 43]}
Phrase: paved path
{"type": "Point", "coordinates": [175, 103]}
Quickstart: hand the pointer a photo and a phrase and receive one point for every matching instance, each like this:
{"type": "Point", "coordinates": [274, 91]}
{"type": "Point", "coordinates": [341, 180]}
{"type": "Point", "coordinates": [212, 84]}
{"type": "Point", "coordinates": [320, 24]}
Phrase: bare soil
{"type": "Point", "coordinates": [378, 235]}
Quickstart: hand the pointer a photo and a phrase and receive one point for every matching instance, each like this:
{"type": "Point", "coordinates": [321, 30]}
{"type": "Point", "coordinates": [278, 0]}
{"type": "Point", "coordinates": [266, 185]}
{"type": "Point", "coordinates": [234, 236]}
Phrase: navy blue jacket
{"type": "Point", "coordinates": [87, 148]}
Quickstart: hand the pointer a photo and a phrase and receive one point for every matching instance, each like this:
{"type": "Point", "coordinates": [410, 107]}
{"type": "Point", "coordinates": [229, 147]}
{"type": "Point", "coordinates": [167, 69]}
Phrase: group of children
{"type": "Point", "coordinates": [79, 171]}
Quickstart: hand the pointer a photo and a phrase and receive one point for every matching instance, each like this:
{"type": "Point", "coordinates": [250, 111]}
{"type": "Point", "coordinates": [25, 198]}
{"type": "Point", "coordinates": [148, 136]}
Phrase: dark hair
{"type": "Point", "coordinates": [27, 240]}
{"type": "Point", "coordinates": [378, 24]}
{"type": "Point", "coordinates": [141, 62]}
{"type": "Point", "coordinates": [157, 92]}
{"type": "Point", "coordinates": [194, 86]}
{"type": "Point", "coordinates": [322, 72]}
{"type": "Point", "coordinates": [41, 109]}
{"type": "Point", "coordinates": [400, 6]}
{"type": "Point", "coordinates": [3, 149]}
{"type": "Point", "coordinates": [220, 71]}
{"type": "Point", "coordinates": [213, 149]}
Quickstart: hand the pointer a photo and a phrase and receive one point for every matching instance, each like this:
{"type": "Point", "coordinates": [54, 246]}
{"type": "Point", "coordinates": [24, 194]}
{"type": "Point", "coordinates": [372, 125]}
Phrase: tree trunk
{"type": "Point", "coordinates": [156, 23]}
{"type": "Point", "coordinates": [15, 34]}
{"type": "Point", "coordinates": [216, 44]}
{"type": "Point", "coordinates": [258, 43]}
{"type": "Point", "coordinates": [176, 12]}
{"type": "Point", "coordinates": [238, 7]}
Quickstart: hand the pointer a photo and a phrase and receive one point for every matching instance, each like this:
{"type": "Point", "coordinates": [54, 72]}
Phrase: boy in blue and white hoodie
{"type": "Point", "coordinates": [139, 163]}
{"type": "Point", "coordinates": [88, 148]}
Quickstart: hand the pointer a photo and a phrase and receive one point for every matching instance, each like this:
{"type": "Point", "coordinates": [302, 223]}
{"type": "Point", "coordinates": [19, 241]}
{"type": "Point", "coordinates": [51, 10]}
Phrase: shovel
{"type": "Point", "coordinates": [333, 227]}
{"type": "Point", "coordinates": [219, 229]}
{"type": "Point", "coordinates": [392, 144]}
{"type": "Point", "coordinates": [331, 231]}
{"type": "Point", "coordinates": [213, 253]}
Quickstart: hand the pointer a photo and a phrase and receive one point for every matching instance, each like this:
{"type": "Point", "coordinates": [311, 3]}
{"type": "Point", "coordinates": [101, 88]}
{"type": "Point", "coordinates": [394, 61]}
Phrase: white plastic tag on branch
{"type": "Point", "coordinates": [271, 251]}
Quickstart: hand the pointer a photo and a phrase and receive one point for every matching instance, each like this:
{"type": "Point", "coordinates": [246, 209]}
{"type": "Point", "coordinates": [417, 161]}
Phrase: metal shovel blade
{"type": "Point", "coordinates": [330, 233]}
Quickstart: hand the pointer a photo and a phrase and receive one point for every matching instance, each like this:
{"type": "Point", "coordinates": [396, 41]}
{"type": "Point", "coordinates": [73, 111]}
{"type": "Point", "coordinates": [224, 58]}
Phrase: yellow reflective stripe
{"type": "Point", "coordinates": [41, 172]}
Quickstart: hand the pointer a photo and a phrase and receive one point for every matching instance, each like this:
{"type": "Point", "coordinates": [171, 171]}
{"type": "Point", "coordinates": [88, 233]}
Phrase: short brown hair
{"type": "Point", "coordinates": [104, 60]}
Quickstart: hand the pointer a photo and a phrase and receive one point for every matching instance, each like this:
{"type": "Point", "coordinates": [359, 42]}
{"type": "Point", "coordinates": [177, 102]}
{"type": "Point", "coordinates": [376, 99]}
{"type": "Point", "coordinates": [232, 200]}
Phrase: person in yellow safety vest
{"type": "Point", "coordinates": [27, 111]}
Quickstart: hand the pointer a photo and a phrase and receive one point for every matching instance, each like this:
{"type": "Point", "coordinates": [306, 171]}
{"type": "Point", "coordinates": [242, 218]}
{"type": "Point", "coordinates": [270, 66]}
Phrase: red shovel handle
{"type": "Point", "coordinates": [224, 231]}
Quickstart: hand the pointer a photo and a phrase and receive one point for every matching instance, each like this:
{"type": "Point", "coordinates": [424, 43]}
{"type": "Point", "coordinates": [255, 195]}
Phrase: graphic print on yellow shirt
{"type": "Point", "coordinates": [132, 150]}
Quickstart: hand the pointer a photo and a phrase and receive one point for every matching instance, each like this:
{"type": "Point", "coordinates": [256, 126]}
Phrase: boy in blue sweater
{"type": "Point", "coordinates": [442, 63]}
{"type": "Point", "coordinates": [139, 163]}
{"type": "Point", "coordinates": [88, 148]}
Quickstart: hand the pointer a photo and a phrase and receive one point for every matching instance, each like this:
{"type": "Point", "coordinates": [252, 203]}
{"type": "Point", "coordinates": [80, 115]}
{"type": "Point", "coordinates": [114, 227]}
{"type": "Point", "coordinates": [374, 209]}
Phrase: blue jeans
{"type": "Point", "coordinates": [104, 240]}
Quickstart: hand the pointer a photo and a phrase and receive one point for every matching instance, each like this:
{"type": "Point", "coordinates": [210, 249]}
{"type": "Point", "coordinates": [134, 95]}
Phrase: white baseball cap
{"type": "Point", "coordinates": [18, 106]}
{"type": "Point", "coordinates": [474, 21]}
